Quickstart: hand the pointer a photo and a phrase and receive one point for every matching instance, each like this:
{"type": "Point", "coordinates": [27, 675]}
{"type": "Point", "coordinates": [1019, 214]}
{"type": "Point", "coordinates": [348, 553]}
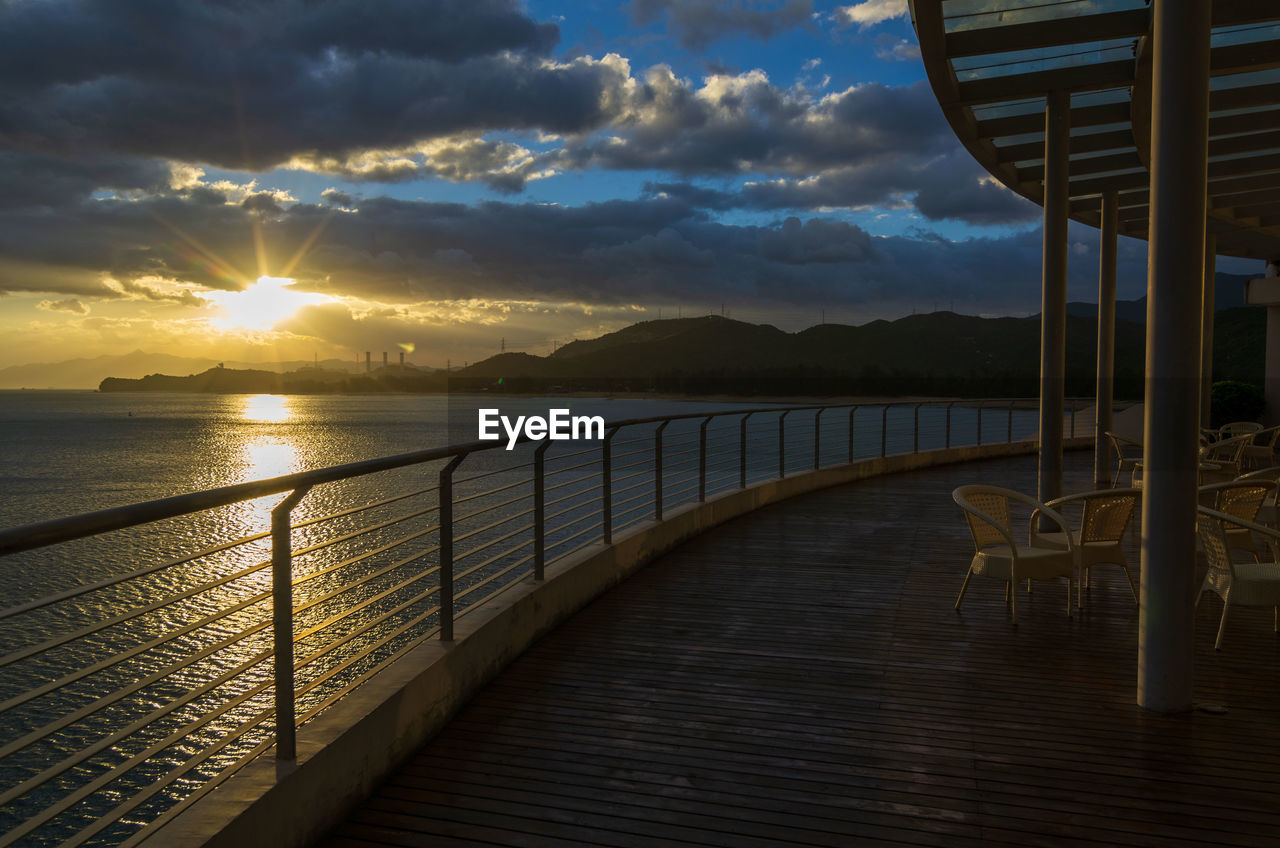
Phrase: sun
{"type": "Point", "coordinates": [266, 302]}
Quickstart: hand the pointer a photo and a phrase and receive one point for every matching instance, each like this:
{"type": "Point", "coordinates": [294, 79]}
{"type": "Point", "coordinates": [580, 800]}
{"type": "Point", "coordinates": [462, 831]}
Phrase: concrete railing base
{"type": "Point", "coordinates": [347, 751]}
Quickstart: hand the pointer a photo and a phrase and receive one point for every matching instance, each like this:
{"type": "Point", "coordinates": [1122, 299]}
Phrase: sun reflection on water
{"type": "Point", "coordinates": [266, 409]}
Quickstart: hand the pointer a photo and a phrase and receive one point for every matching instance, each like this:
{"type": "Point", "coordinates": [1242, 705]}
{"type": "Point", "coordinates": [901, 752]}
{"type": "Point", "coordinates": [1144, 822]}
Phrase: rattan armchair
{"type": "Point", "coordinates": [997, 555]}
{"type": "Point", "coordinates": [1253, 584]}
{"type": "Point", "coordinates": [1241, 499]}
{"type": "Point", "coordinates": [1226, 458]}
{"type": "Point", "coordinates": [1104, 517]}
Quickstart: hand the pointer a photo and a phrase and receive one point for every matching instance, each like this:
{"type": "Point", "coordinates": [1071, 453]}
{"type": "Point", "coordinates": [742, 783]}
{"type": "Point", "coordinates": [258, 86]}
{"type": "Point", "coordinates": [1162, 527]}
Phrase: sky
{"type": "Point", "coordinates": [283, 179]}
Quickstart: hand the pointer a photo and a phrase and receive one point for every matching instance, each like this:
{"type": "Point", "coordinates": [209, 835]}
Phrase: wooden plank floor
{"type": "Point", "coordinates": [799, 677]}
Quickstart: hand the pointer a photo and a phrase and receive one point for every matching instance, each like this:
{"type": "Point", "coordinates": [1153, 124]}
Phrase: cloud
{"type": "Point", "coordinates": [697, 23]}
{"type": "Point", "coordinates": [891, 48]}
{"type": "Point", "coordinates": [253, 85]}
{"type": "Point", "coordinates": [71, 304]}
{"type": "Point", "coordinates": [871, 12]}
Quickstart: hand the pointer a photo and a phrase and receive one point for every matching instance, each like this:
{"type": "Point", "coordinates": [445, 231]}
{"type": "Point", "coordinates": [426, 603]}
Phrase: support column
{"type": "Point", "coordinates": [1106, 339]}
{"type": "Point", "coordinates": [1179, 151]}
{"type": "Point", "coordinates": [1053, 296]}
{"type": "Point", "coordinates": [1206, 326]}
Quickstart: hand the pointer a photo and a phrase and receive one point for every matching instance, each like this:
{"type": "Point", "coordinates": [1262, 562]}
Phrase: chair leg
{"type": "Point", "coordinates": [1008, 590]}
{"type": "Point", "coordinates": [1222, 625]}
{"type": "Point", "coordinates": [1028, 585]}
{"type": "Point", "coordinates": [1133, 587]}
{"type": "Point", "coordinates": [964, 586]}
{"type": "Point", "coordinates": [1069, 579]}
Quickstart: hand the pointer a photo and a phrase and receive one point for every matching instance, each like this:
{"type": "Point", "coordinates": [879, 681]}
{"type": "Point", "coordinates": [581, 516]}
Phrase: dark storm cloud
{"type": "Point", "coordinates": [744, 124]}
{"type": "Point", "coordinates": [697, 23]}
{"type": "Point", "coordinates": [252, 85]}
{"type": "Point", "coordinates": [34, 179]}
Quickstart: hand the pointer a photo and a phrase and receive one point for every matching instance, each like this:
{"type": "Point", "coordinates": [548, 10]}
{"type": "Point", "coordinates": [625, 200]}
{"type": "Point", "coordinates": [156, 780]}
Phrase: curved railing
{"type": "Point", "coordinates": [125, 698]}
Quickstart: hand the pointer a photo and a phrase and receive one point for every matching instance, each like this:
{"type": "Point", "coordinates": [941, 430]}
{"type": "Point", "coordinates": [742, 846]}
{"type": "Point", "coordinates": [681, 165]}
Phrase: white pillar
{"type": "Point", "coordinates": [1106, 340]}
{"type": "Point", "coordinates": [1053, 296]}
{"type": "Point", "coordinates": [1179, 154]}
{"type": "Point", "coordinates": [1206, 327]}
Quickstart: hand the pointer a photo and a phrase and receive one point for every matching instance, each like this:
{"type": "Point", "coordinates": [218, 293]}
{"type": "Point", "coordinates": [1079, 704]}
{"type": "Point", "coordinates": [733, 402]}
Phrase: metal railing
{"type": "Point", "coordinates": [125, 699]}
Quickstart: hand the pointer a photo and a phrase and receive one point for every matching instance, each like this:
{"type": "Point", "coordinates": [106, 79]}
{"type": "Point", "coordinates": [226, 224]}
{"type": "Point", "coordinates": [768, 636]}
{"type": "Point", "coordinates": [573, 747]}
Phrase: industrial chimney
{"type": "Point", "coordinates": [368, 360]}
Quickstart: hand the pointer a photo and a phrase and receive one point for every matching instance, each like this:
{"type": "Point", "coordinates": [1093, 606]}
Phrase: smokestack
{"type": "Point", "coordinates": [368, 360]}
{"type": "Point", "coordinates": [402, 360]}
{"type": "Point", "coordinates": [384, 360]}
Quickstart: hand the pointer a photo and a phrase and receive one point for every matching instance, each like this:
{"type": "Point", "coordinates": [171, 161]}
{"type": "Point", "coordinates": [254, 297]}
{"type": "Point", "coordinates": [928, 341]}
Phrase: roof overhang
{"type": "Point", "coordinates": [991, 64]}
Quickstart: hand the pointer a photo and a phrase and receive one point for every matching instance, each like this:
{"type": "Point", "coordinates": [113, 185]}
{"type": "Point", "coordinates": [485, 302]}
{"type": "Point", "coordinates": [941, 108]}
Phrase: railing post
{"type": "Point", "coordinates": [446, 547]}
{"type": "Point", "coordinates": [817, 438]}
{"type": "Point", "coordinates": [782, 443]}
{"type": "Point", "coordinates": [949, 405]}
{"type": "Point", "coordinates": [540, 511]}
{"type": "Point", "coordinates": [1009, 438]}
{"type": "Point", "coordinates": [980, 422]}
{"type": "Point", "coordinates": [915, 448]}
{"type": "Point", "coordinates": [702, 459]}
{"type": "Point", "coordinates": [657, 470]}
{"type": "Point", "coordinates": [742, 451]}
{"type": "Point", "coordinates": [282, 622]}
{"type": "Point", "coordinates": [884, 431]}
{"type": "Point", "coordinates": [852, 413]}
{"type": "Point", "coordinates": [606, 450]}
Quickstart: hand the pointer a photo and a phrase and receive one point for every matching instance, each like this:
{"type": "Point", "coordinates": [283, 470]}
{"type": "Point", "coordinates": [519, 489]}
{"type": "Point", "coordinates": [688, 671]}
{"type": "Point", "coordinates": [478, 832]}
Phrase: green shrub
{"type": "Point", "coordinates": [1233, 400]}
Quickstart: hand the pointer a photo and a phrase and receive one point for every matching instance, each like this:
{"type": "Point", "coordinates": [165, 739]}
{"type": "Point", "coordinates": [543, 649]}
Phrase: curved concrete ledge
{"type": "Point", "coordinates": [347, 751]}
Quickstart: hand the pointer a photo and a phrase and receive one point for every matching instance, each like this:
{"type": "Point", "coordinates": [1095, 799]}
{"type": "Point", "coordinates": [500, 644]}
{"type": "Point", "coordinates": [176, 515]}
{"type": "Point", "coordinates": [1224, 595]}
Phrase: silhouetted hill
{"type": "Point", "coordinates": [940, 353]}
{"type": "Point", "coordinates": [1228, 293]}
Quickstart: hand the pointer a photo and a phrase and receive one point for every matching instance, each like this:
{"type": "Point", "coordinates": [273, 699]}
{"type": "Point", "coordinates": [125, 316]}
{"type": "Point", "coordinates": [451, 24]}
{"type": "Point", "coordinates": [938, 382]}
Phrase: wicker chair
{"type": "Point", "coordinates": [1226, 458]}
{"type": "Point", "coordinates": [1267, 514]}
{"type": "Point", "coordinates": [1238, 428]}
{"type": "Point", "coordinates": [1128, 456]}
{"type": "Point", "coordinates": [997, 555]}
{"type": "Point", "coordinates": [1237, 583]}
{"type": "Point", "coordinates": [1261, 452]}
{"type": "Point", "coordinates": [1104, 517]}
{"type": "Point", "coordinates": [1240, 499]}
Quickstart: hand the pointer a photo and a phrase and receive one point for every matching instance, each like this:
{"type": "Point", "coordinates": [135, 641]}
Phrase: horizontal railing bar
{"type": "Point", "coordinates": [109, 741]}
{"type": "Point", "coordinates": [487, 492]}
{"type": "Point", "coordinates": [491, 526]}
{"type": "Point", "coordinates": [567, 539]}
{"type": "Point", "coordinates": [594, 463]}
{"type": "Point", "coordinates": [502, 588]}
{"type": "Point", "coordinates": [54, 685]}
{"type": "Point", "coordinates": [480, 475]}
{"type": "Point", "coordinates": [516, 532]}
{"type": "Point", "coordinates": [143, 572]}
{"type": "Point", "coordinates": [460, 518]}
{"type": "Point", "coordinates": [581, 547]}
{"type": "Point", "coordinates": [618, 504]}
{"type": "Point", "coordinates": [498, 557]}
{"type": "Point", "coordinates": [593, 485]}
{"type": "Point", "coordinates": [646, 484]}
{"type": "Point", "coordinates": [565, 511]}
{"type": "Point", "coordinates": [255, 599]}
{"type": "Point", "coordinates": [32, 650]}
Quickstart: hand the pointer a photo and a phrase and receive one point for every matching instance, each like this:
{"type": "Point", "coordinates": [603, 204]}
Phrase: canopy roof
{"type": "Point", "coordinates": [991, 63]}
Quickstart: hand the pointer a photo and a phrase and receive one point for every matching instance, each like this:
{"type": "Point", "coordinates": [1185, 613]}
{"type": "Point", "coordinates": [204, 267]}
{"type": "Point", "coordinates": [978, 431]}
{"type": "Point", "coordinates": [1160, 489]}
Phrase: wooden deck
{"type": "Point", "coordinates": [799, 676]}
